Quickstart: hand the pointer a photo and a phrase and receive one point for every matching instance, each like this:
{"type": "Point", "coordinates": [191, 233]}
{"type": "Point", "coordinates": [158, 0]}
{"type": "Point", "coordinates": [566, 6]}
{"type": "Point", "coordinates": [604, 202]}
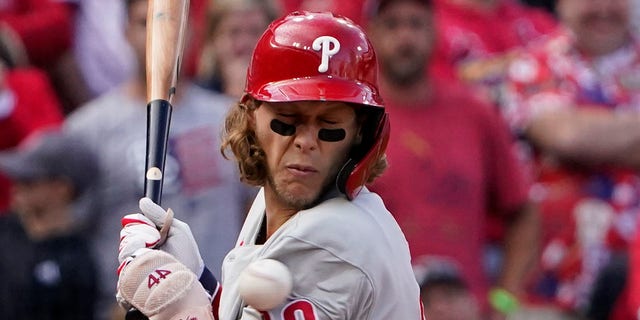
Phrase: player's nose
{"type": "Point", "coordinates": [306, 138]}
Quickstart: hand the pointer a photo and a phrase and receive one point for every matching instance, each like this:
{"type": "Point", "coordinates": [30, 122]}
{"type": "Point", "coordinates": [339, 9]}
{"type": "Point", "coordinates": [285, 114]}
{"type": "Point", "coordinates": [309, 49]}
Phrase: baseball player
{"type": "Point", "coordinates": [311, 130]}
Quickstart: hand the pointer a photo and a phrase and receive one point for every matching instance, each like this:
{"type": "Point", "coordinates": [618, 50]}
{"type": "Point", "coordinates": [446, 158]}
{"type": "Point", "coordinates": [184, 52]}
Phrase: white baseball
{"type": "Point", "coordinates": [265, 284]}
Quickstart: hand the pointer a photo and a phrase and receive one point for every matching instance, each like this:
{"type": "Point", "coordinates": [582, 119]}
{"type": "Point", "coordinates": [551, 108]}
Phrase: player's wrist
{"type": "Point", "coordinates": [208, 281]}
{"type": "Point", "coordinates": [503, 301]}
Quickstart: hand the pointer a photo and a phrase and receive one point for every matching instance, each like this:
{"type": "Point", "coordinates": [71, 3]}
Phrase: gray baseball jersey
{"type": "Point", "coordinates": [349, 260]}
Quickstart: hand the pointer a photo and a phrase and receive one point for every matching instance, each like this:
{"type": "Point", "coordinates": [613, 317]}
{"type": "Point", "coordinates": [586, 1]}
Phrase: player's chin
{"type": "Point", "coordinates": [299, 195]}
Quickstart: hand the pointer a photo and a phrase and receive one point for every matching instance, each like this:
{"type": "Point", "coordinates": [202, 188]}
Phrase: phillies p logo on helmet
{"type": "Point", "coordinates": [307, 56]}
{"type": "Point", "coordinates": [323, 44]}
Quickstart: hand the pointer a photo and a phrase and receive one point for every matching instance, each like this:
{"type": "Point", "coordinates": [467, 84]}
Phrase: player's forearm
{"type": "Point", "coordinates": [521, 246]}
{"type": "Point", "coordinates": [589, 136]}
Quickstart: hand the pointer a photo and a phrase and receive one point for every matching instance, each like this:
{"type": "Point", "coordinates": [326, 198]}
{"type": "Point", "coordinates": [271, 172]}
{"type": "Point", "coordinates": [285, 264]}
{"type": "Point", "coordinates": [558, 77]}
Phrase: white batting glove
{"type": "Point", "coordinates": [161, 287]}
{"type": "Point", "coordinates": [137, 232]}
{"type": "Point", "coordinates": [141, 231]}
{"type": "Point", "coordinates": [180, 241]}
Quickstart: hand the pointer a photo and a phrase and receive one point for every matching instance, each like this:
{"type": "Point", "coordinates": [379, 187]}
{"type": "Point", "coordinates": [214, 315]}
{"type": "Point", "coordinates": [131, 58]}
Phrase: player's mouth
{"type": "Point", "coordinates": [300, 170]}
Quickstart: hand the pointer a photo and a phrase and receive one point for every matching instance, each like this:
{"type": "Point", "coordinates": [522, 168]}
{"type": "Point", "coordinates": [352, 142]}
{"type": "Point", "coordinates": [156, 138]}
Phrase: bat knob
{"type": "Point", "coordinates": [134, 314]}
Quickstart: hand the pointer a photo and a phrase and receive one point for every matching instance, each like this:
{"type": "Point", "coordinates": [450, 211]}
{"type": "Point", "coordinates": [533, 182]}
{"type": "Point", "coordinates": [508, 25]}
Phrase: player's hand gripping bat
{"type": "Point", "coordinates": [166, 27]}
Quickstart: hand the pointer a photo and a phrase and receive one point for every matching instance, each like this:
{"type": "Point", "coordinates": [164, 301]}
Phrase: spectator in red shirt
{"type": "Point", "coordinates": [451, 166]}
{"type": "Point", "coordinates": [41, 33]}
{"type": "Point", "coordinates": [42, 27]}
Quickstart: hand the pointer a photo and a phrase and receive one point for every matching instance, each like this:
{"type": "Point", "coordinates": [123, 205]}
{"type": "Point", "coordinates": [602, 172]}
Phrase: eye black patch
{"type": "Point", "coordinates": [331, 135]}
{"type": "Point", "coordinates": [281, 128]}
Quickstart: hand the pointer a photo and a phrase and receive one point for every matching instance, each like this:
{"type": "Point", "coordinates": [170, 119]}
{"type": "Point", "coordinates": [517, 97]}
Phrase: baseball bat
{"type": "Point", "coordinates": [166, 28]}
{"type": "Point", "coordinates": [166, 25]}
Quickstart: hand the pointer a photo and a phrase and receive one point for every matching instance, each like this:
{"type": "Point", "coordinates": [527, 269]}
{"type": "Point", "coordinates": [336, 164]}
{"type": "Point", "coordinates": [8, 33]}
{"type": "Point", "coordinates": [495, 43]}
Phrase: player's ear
{"type": "Point", "coordinates": [360, 118]}
{"type": "Point", "coordinates": [358, 138]}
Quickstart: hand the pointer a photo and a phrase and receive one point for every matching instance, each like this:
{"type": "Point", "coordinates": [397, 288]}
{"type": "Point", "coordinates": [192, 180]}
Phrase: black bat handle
{"type": "Point", "coordinates": [158, 121]}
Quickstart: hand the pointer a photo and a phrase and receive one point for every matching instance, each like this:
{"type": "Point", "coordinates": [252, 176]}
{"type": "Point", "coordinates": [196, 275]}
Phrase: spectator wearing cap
{"type": "Point", "coordinates": [47, 268]}
{"type": "Point", "coordinates": [444, 291]}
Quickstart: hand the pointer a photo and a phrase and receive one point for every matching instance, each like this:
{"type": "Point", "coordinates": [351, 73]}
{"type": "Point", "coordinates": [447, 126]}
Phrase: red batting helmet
{"type": "Point", "coordinates": [321, 57]}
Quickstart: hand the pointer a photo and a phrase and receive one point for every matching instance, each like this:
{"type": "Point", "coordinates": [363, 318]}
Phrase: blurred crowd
{"type": "Point", "coordinates": [513, 159]}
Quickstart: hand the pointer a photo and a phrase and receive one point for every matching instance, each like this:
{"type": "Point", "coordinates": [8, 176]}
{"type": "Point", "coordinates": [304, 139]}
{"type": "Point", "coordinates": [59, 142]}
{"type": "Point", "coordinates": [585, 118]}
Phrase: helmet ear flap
{"type": "Point", "coordinates": [355, 172]}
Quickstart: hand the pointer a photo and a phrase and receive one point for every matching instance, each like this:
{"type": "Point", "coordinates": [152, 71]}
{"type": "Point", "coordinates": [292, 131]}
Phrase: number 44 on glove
{"type": "Point", "coordinates": [162, 288]}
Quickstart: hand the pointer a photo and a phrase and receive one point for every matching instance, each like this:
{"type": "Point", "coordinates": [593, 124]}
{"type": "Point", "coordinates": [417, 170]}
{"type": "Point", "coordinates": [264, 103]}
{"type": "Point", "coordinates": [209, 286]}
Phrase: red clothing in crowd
{"type": "Point", "coordinates": [633, 286]}
{"type": "Point", "coordinates": [197, 24]}
{"type": "Point", "coordinates": [472, 43]}
{"type": "Point", "coordinates": [45, 27]}
{"type": "Point", "coordinates": [352, 9]}
{"type": "Point", "coordinates": [588, 213]}
{"type": "Point", "coordinates": [27, 104]}
{"type": "Point", "coordinates": [457, 154]}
